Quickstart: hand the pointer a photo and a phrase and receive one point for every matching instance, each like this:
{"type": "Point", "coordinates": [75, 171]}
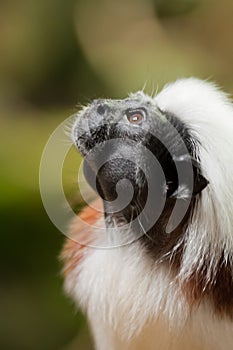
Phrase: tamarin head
{"type": "Point", "coordinates": [141, 160]}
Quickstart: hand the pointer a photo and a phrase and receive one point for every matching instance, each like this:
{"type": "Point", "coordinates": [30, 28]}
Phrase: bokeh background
{"type": "Point", "coordinates": [54, 55]}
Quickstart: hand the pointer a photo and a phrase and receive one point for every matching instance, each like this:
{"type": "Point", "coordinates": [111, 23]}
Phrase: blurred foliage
{"type": "Point", "coordinates": [41, 59]}
{"type": "Point", "coordinates": [35, 312]}
{"type": "Point", "coordinates": [167, 8]}
{"type": "Point", "coordinates": [55, 54]}
{"type": "Point", "coordinates": [128, 44]}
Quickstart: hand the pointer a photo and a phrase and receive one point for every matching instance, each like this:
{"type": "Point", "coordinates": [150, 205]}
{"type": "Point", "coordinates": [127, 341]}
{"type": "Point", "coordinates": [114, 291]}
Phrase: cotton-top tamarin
{"type": "Point", "coordinates": [169, 285]}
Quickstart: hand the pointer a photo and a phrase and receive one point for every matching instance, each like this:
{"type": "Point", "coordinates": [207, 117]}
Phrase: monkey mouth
{"type": "Point", "coordinates": [121, 185]}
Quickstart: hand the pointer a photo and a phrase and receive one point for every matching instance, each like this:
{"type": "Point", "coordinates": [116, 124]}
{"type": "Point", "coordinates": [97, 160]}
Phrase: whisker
{"type": "Point", "coordinates": [156, 91]}
{"type": "Point", "coordinates": [144, 86]}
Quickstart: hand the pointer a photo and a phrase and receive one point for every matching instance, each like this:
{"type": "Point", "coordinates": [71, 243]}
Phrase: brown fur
{"type": "Point", "coordinates": [82, 236]}
{"type": "Point", "coordinates": [218, 289]}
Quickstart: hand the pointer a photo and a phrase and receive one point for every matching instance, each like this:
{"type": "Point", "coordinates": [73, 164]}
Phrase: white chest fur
{"type": "Point", "coordinates": [133, 304]}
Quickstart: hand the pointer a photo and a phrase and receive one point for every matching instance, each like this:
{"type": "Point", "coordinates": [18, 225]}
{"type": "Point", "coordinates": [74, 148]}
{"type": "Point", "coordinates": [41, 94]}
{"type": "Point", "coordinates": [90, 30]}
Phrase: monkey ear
{"type": "Point", "coordinates": [200, 183]}
{"type": "Point", "coordinates": [184, 190]}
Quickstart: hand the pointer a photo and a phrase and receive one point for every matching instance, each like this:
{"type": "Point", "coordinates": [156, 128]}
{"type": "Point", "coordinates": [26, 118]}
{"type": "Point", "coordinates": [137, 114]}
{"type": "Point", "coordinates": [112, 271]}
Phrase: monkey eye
{"type": "Point", "coordinates": [135, 116]}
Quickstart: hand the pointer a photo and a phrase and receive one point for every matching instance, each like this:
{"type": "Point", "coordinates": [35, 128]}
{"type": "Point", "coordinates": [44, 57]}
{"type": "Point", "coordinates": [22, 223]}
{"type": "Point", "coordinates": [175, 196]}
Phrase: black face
{"type": "Point", "coordinates": [126, 143]}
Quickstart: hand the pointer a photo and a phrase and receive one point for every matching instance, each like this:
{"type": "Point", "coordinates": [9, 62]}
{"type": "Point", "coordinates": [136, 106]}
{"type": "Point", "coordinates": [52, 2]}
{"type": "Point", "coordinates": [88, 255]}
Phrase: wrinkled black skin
{"type": "Point", "coordinates": [106, 120]}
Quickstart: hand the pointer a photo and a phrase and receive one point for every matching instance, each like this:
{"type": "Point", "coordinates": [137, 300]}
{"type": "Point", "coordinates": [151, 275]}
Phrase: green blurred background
{"type": "Point", "coordinates": [55, 55]}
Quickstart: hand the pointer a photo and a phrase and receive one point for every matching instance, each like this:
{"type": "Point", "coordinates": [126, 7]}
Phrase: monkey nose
{"type": "Point", "coordinates": [101, 106]}
{"type": "Point", "coordinates": [97, 116]}
{"type": "Point", "coordinates": [102, 109]}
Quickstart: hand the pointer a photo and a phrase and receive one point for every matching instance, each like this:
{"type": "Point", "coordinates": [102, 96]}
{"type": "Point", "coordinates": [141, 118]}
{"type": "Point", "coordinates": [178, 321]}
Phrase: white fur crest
{"type": "Point", "coordinates": [209, 115]}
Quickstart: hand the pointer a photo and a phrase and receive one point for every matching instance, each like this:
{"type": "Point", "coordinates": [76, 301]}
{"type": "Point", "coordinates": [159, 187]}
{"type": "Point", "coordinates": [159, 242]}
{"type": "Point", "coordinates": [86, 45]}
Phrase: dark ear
{"type": "Point", "coordinates": [185, 189]}
{"type": "Point", "coordinates": [200, 183]}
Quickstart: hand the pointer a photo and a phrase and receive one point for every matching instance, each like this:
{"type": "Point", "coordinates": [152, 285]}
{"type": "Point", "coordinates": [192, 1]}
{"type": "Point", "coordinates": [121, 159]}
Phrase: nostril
{"type": "Point", "coordinates": [101, 109]}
